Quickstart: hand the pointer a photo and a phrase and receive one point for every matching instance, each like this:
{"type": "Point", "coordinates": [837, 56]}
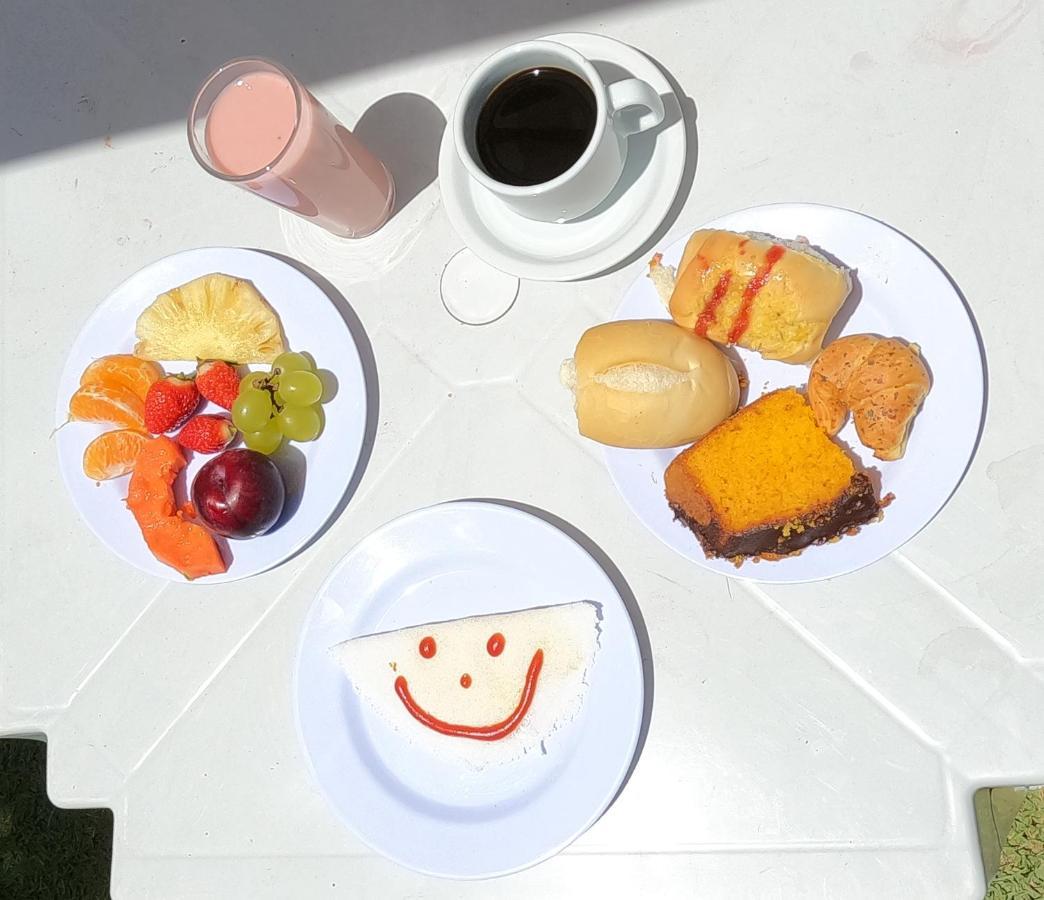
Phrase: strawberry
{"type": "Point", "coordinates": [207, 434]}
{"type": "Point", "coordinates": [218, 382]}
{"type": "Point", "coordinates": [169, 403]}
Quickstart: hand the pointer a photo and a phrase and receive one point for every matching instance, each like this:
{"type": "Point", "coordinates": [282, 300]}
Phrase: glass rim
{"type": "Point", "coordinates": [200, 153]}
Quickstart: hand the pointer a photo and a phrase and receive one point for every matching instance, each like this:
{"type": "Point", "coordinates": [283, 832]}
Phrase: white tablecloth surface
{"type": "Point", "coordinates": [813, 740]}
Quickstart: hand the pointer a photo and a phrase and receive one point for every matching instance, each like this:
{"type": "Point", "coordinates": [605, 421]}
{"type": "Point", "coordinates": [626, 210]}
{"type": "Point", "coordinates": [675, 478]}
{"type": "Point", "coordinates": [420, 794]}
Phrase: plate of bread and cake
{"type": "Point", "coordinates": [469, 690]}
{"type": "Point", "coordinates": [789, 394]}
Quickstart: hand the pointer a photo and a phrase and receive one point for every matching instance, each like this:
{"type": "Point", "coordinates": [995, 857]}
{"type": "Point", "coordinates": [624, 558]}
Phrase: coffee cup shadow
{"type": "Point", "coordinates": [641, 147]}
{"type": "Point", "coordinates": [677, 107]}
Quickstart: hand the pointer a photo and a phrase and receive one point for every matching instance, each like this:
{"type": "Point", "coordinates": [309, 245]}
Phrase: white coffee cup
{"type": "Point", "coordinates": [592, 177]}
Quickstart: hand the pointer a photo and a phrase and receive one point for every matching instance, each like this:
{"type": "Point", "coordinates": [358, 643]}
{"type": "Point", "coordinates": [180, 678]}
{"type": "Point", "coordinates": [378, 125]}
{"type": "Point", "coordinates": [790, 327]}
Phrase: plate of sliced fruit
{"type": "Point", "coordinates": [211, 415]}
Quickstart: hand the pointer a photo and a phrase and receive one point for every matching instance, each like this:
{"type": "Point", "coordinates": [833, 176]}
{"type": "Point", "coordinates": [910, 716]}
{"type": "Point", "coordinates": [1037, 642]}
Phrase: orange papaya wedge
{"type": "Point", "coordinates": [173, 540]}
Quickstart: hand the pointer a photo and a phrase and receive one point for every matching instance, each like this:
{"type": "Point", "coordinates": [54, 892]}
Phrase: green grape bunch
{"type": "Point", "coordinates": [283, 403]}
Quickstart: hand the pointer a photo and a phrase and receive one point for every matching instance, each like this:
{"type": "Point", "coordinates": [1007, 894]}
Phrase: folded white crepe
{"type": "Point", "coordinates": [481, 690]}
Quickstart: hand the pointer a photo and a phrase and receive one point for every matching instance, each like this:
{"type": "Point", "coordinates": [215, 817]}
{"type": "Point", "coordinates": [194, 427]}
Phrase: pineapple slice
{"type": "Point", "coordinates": [212, 317]}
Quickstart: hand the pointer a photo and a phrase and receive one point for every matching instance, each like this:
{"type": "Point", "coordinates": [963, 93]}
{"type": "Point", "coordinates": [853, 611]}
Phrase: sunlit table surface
{"type": "Point", "coordinates": [811, 740]}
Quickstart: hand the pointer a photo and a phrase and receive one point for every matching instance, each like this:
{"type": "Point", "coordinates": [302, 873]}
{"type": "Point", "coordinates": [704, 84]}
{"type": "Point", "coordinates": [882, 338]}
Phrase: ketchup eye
{"type": "Point", "coordinates": [427, 647]}
{"type": "Point", "coordinates": [495, 644]}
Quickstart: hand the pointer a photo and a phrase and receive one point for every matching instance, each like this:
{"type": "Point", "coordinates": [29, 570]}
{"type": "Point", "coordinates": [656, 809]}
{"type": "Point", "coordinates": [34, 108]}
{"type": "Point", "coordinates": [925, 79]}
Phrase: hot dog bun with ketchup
{"type": "Point", "coordinates": [775, 296]}
{"type": "Point", "coordinates": [649, 383]}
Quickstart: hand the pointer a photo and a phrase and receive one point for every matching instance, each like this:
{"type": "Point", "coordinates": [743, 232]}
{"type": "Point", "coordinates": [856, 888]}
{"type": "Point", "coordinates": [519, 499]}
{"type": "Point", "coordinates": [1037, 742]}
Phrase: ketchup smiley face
{"type": "Point", "coordinates": [494, 731]}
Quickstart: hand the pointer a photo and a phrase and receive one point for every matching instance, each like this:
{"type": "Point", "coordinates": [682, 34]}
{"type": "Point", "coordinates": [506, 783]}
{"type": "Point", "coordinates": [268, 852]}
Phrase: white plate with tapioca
{"type": "Point", "coordinates": [398, 790]}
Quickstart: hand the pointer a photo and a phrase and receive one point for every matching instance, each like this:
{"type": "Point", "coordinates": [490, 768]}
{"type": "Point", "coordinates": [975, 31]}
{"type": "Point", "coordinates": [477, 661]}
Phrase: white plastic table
{"type": "Point", "coordinates": [818, 740]}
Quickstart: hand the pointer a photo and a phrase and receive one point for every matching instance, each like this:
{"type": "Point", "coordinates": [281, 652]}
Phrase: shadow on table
{"type": "Point", "coordinates": [630, 602]}
{"type": "Point", "coordinates": [678, 106]}
{"type": "Point", "coordinates": [405, 132]}
{"type": "Point", "coordinates": [94, 71]}
{"type": "Point", "coordinates": [369, 365]}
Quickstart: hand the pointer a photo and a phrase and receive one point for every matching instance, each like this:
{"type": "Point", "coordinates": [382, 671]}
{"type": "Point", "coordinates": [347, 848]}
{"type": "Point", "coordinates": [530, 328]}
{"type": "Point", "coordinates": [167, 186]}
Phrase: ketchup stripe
{"type": "Point", "coordinates": [706, 318]}
{"type": "Point", "coordinates": [761, 277]}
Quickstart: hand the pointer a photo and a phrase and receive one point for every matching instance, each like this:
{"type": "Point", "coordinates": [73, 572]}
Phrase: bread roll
{"type": "Point", "coordinates": [774, 296]}
{"type": "Point", "coordinates": [649, 383]}
{"type": "Point", "coordinates": [882, 381]}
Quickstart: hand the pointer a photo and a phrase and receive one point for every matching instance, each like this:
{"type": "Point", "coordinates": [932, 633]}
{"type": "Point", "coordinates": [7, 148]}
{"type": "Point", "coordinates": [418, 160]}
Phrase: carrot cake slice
{"type": "Point", "coordinates": [768, 482]}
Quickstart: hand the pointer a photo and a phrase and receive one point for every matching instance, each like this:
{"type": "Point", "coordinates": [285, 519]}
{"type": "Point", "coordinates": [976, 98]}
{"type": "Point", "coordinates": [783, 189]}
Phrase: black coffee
{"type": "Point", "coordinates": [535, 125]}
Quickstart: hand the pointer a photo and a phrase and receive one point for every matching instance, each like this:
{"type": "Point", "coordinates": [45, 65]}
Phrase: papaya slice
{"type": "Point", "coordinates": [173, 540]}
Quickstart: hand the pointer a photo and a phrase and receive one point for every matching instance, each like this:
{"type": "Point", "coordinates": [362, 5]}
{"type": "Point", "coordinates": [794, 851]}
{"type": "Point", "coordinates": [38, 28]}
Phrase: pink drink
{"type": "Point", "coordinates": [253, 123]}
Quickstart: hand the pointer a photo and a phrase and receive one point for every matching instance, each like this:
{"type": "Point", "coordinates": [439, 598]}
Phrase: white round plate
{"type": "Point", "coordinates": [904, 294]}
{"type": "Point", "coordinates": [445, 562]}
{"type": "Point", "coordinates": [546, 251]}
{"type": "Point", "coordinates": [317, 473]}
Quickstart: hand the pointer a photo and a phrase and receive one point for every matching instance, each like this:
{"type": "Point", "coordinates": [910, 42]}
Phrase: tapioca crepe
{"type": "Point", "coordinates": [484, 689]}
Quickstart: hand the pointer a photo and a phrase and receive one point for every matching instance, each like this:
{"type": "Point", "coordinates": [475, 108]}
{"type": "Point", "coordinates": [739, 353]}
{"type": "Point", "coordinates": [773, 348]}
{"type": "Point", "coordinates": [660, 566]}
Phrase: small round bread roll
{"type": "Point", "coordinates": [649, 383]}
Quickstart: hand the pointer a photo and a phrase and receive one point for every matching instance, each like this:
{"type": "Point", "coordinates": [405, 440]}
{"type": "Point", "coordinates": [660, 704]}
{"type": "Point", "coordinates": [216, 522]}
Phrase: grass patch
{"type": "Point", "coordinates": [46, 852]}
{"type": "Point", "coordinates": [1020, 872]}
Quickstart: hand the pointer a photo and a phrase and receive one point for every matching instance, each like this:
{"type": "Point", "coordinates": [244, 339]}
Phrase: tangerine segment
{"type": "Point", "coordinates": [122, 370]}
{"type": "Point", "coordinates": [112, 454]}
{"type": "Point", "coordinates": [115, 405]}
{"type": "Point", "coordinates": [185, 546]}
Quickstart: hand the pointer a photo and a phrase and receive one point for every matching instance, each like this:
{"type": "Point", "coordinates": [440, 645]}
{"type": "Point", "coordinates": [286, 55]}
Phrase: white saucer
{"type": "Point", "coordinates": [545, 251]}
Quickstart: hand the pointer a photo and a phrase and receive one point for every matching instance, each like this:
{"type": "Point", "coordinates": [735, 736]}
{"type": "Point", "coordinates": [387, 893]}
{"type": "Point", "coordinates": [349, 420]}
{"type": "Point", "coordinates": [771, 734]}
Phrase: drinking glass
{"type": "Point", "coordinates": [253, 123]}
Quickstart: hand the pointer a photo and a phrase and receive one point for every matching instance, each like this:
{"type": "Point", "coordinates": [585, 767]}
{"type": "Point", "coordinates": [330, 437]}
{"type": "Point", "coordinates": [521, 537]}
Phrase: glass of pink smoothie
{"type": "Point", "coordinates": [254, 124]}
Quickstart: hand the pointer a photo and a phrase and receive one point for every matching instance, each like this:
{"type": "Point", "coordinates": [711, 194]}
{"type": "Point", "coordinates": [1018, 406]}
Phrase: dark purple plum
{"type": "Point", "coordinates": [239, 493]}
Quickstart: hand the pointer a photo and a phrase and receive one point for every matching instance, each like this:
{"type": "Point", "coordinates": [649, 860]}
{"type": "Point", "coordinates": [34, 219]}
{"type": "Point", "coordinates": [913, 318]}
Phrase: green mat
{"type": "Point", "coordinates": [1011, 834]}
{"type": "Point", "coordinates": [47, 853]}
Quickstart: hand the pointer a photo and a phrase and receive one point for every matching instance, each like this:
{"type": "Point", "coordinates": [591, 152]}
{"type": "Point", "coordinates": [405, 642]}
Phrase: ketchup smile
{"type": "Point", "coordinates": [492, 732]}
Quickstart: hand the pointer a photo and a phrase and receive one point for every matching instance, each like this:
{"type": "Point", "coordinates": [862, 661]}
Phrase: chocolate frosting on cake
{"type": "Point", "coordinates": [856, 506]}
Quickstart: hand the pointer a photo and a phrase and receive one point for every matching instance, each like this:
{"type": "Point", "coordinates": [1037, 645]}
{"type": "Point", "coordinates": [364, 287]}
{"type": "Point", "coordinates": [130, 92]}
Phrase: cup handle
{"type": "Point", "coordinates": [633, 92]}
